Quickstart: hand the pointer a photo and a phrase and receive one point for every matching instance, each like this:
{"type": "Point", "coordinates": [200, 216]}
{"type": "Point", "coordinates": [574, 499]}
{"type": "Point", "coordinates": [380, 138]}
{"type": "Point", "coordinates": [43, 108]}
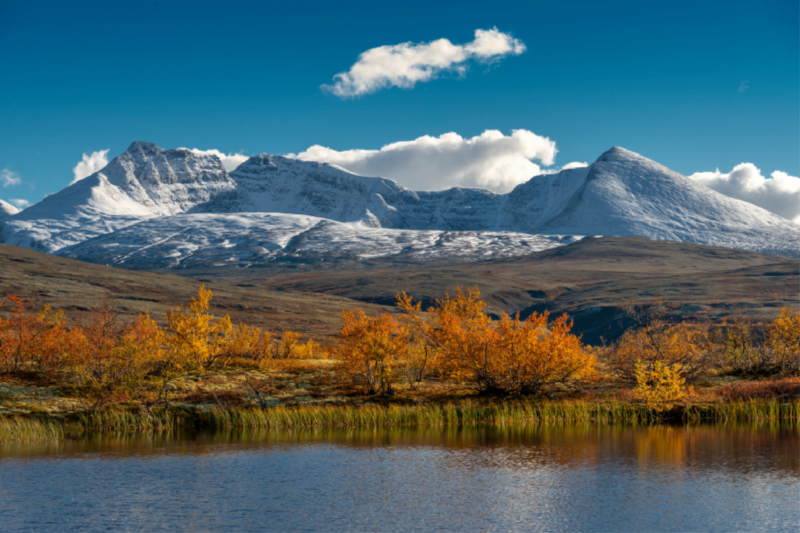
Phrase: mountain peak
{"type": "Point", "coordinates": [144, 147]}
{"type": "Point", "coordinates": [618, 153]}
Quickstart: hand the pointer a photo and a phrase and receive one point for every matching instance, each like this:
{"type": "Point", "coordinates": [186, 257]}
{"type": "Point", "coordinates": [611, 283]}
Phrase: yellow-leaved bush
{"type": "Point", "coordinates": [196, 340]}
{"type": "Point", "coordinates": [784, 339]}
{"type": "Point", "coordinates": [659, 383]}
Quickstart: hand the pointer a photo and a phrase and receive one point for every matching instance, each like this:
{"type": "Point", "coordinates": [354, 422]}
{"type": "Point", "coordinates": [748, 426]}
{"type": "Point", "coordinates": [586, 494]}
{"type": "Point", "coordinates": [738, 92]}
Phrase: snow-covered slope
{"type": "Point", "coordinates": [277, 184]}
{"type": "Point", "coordinates": [143, 182]}
{"type": "Point", "coordinates": [624, 193]}
{"type": "Point", "coordinates": [247, 239]}
{"type": "Point", "coordinates": [6, 210]}
{"type": "Point", "coordinates": [153, 191]}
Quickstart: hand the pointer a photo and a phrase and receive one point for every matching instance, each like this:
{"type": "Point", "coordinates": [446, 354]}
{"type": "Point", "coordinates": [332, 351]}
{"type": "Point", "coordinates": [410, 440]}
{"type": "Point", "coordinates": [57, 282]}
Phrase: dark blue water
{"type": "Point", "coordinates": [572, 478]}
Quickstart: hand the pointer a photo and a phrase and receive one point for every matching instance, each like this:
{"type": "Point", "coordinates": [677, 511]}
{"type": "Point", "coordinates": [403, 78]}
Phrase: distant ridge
{"type": "Point", "coordinates": [622, 193]}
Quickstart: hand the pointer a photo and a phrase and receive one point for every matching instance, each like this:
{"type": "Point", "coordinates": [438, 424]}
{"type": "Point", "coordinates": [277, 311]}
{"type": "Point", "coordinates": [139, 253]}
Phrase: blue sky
{"type": "Point", "coordinates": [693, 85]}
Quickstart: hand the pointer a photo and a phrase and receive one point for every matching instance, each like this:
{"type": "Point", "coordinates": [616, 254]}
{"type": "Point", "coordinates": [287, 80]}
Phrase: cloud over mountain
{"type": "Point", "coordinates": [229, 161]}
{"type": "Point", "coordinates": [779, 194]}
{"type": "Point", "coordinates": [406, 64]}
{"type": "Point", "coordinates": [490, 160]}
{"type": "Point", "coordinates": [90, 164]}
{"type": "Point", "coordinates": [19, 203]}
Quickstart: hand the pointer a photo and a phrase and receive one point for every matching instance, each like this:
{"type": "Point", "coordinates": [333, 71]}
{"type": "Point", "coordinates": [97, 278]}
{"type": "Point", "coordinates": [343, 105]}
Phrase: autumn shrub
{"type": "Point", "coordinates": [115, 358]}
{"type": "Point", "coordinates": [464, 339]}
{"type": "Point", "coordinates": [30, 339]}
{"type": "Point", "coordinates": [287, 345]}
{"type": "Point", "coordinates": [750, 390]}
{"type": "Point", "coordinates": [420, 357]}
{"type": "Point", "coordinates": [784, 340]}
{"type": "Point", "coordinates": [534, 354]}
{"type": "Point", "coordinates": [196, 340]}
{"type": "Point", "coordinates": [458, 340]}
{"type": "Point", "coordinates": [658, 382]}
{"type": "Point", "coordinates": [370, 350]}
{"type": "Point", "coordinates": [248, 345]}
{"type": "Point", "coordinates": [684, 346]}
{"type": "Point", "coordinates": [737, 346]}
{"type": "Point", "coordinates": [688, 347]}
{"type": "Point", "coordinates": [746, 350]}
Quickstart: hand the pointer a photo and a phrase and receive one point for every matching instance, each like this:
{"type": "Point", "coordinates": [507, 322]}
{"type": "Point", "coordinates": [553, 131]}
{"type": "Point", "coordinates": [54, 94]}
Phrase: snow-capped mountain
{"type": "Point", "coordinates": [267, 183]}
{"type": "Point", "coordinates": [143, 182]}
{"type": "Point", "coordinates": [623, 193]}
{"type": "Point", "coordinates": [175, 207]}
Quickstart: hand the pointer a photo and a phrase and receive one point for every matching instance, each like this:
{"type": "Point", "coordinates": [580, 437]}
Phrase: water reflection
{"type": "Point", "coordinates": [525, 478]}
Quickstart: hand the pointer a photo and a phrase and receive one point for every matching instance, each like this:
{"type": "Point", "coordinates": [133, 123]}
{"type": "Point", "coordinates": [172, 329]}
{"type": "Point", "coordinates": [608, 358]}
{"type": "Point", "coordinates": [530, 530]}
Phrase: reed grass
{"type": "Point", "coordinates": [462, 413]}
{"type": "Point", "coordinates": [474, 413]}
{"type": "Point", "coordinates": [29, 429]}
{"type": "Point", "coordinates": [744, 411]}
{"type": "Point", "coordinates": [126, 420]}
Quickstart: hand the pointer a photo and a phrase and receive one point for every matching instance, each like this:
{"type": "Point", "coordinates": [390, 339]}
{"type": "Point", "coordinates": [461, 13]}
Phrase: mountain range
{"type": "Point", "coordinates": [156, 208]}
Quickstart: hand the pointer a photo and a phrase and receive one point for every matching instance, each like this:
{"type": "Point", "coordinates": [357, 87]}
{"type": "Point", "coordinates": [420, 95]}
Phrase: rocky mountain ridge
{"type": "Point", "coordinates": [622, 193]}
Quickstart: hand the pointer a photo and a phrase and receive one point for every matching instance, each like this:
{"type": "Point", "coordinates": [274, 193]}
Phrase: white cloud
{"type": "Point", "coordinates": [744, 85]}
{"type": "Point", "coordinates": [229, 161]}
{"type": "Point", "coordinates": [575, 164]}
{"type": "Point", "coordinates": [404, 65]}
{"type": "Point", "coordinates": [89, 165]}
{"type": "Point", "coordinates": [19, 203]}
{"type": "Point", "coordinates": [779, 194]}
{"type": "Point", "coordinates": [491, 160]}
{"type": "Point", "coordinates": [8, 178]}
{"type": "Point", "coordinates": [568, 166]}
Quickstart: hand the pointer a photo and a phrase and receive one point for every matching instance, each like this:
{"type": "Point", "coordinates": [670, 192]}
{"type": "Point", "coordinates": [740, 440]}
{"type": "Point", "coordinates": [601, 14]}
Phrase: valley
{"type": "Point", "coordinates": [588, 280]}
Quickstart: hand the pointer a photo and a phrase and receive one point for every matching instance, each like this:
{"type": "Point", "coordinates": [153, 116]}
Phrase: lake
{"type": "Point", "coordinates": [526, 478]}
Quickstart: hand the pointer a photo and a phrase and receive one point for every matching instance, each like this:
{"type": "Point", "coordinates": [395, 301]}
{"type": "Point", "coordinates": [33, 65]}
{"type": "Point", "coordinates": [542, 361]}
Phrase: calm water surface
{"type": "Point", "coordinates": [542, 478]}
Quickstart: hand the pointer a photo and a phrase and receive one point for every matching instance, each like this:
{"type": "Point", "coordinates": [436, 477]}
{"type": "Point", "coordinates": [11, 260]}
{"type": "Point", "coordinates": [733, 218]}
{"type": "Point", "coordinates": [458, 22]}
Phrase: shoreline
{"type": "Point", "coordinates": [470, 412]}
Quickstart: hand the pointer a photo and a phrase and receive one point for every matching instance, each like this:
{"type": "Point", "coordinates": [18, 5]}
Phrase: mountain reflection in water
{"type": "Point", "coordinates": [522, 478]}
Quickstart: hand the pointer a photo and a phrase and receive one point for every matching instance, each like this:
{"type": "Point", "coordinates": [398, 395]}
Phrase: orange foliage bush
{"type": "Point", "coordinates": [534, 354]}
{"type": "Point", "coordinates": [309, 350]}
{"type": "Point", "coordinates": [370, 350]}
{"type": "Point", "coordinates": [114, 358]}
{"type": "Point", "coordinates": [458, 340]}
{"type": "Point", "coordinates": [682, 346]}
{"type": "Point", "coordinates": [464, 339]}
{"type": "Point", "coordinates": [249, 345]}
{"type": "Point", "coordinates": [286, 347]}
{"type": "Point", "coordinates": [31, 340]}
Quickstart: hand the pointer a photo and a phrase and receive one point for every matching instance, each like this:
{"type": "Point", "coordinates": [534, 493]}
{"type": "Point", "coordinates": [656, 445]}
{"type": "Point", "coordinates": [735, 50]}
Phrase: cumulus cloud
{"type": "Point", "coordinates": [89, 165]}
{"type": "Point", "coordinates": [229, 161]}
{"type": "Point", "coordinates": [780, 193]}
{"type": "Point", "coordinates": [9, 178]}
{"type": "Point", "coordinates": [19, 203]}
{"type": "Point", "coordinates": [490, 160]}
{"type": "Point", "coordinates": [404, 65]}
